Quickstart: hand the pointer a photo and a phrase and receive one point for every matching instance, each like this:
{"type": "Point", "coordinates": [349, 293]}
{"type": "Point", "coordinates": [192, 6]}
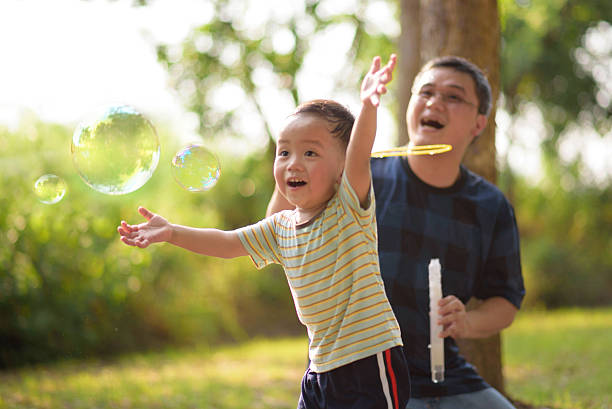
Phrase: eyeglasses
{"type": "Point", "coordinates": [449, 98]}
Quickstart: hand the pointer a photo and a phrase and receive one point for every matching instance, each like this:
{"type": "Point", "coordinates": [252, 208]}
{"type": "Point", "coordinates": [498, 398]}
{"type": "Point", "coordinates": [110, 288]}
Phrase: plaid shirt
{"type": "Point", "coordinates": [471, 228]}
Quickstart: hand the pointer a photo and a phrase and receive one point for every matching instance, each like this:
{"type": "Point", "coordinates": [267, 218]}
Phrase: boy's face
{"type": "Point", "coordinates": [443, 109]}
{"type": "Point", "coordinates": [309, 162]}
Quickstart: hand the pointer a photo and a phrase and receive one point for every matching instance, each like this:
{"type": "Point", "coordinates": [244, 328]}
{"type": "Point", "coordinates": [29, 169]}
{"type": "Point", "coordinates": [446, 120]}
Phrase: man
{"type": "Point", "coordinates": [432, 207]}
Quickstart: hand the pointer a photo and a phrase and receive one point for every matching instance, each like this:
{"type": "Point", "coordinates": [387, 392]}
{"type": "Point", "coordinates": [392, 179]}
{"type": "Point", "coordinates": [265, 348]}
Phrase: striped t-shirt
{"type": "Point", "coordinates": [332, 268]}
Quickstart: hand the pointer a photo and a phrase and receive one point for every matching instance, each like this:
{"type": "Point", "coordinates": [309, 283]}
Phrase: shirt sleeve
{"type": "Point", "coordinates": [348, 196]}
{"type": "Point", "coordinates": [502, 275]}
{"type": "Point", "coordinates": [260, 242]}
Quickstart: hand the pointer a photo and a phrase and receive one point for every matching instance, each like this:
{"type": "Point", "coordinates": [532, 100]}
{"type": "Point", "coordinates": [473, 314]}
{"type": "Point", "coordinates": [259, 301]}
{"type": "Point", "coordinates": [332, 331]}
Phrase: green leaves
{"type": "Point", "coordinates": [540, 42]}
{"type": "Point", "coordinates": [70, 288]}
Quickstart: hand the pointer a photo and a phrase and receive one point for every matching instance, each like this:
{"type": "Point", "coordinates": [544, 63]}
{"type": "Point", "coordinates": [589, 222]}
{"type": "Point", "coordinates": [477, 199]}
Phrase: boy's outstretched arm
{"type": "Point", "coordinates": [357, 165]}
{"type": "Point", "coordinates": [210, 242]}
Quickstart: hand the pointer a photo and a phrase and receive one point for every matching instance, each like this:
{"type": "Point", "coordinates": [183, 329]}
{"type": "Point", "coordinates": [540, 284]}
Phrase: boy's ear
{"type": "Point", "coordinates": [339, 178]}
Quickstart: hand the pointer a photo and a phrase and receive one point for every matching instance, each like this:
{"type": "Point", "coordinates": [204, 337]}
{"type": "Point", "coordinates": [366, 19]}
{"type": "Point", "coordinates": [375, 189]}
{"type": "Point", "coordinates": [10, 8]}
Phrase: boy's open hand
{"type": "Point", "coordinates": [155, 230]}
{"type": "Point", "coordinates": [374, 82]}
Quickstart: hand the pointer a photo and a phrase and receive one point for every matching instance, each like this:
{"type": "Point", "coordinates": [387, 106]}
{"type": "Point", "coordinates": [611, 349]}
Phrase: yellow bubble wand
{"type": "Point", "coordinates": [413, 150]}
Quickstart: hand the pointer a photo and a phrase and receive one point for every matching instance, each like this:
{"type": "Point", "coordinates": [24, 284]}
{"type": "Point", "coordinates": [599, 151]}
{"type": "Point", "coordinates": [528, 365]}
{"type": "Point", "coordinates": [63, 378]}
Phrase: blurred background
{"type": "Point", "coordinates": [226, 73]}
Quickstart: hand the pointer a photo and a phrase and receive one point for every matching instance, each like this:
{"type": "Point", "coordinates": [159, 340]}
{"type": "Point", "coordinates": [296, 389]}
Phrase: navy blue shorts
{"type": "Point", "coordinates": [379, 381]}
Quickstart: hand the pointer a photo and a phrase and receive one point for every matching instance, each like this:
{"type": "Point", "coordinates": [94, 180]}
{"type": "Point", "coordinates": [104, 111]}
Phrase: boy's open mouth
{"type": "Point", "coordinates": [295, 183]}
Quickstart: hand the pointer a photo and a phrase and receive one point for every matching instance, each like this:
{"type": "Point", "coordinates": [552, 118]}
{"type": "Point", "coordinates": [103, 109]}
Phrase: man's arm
{"type": "Point", "coordinates": [488, 318]}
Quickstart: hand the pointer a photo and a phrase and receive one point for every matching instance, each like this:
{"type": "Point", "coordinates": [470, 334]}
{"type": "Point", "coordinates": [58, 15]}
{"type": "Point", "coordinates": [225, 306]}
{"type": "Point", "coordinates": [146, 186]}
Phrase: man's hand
{"type": "Point", "coordinates": [155, 230]}
{"type": "Point", "coordinates": [453, 317]}
{"type": "Point", "coordinates": [488, 318]}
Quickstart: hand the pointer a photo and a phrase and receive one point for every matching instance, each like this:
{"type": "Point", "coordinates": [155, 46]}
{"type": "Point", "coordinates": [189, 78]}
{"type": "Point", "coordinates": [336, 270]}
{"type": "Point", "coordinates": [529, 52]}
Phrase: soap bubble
{"type": "Point", "coordinates": [195, 168]}
{"type": "Point", "coordinates": [50, 188]}
{"type": "Point", "coordinates": [117, 153]}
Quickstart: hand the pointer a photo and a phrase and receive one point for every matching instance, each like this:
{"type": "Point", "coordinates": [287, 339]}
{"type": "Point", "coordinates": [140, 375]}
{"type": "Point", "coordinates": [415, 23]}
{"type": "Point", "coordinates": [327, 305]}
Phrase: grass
{"type": "Point", "coordinates": [560, 358]}
{"type": "Point", "coordinates": [259, 374]}
{"type": "Point", "coordinates": [557, 359]}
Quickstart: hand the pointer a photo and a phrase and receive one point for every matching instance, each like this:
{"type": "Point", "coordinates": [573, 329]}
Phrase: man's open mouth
{"type": "Point", "coordinates": [432, 123]}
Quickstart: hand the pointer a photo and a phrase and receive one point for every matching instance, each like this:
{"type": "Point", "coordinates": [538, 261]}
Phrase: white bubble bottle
{"type": "Point", "coordinates": [436, 347]}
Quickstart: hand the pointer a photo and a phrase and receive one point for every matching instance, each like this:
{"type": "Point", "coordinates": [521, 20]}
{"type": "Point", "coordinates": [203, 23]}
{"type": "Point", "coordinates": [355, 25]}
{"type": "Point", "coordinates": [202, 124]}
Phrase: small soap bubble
{"type": "Point", "coordinates": [50, 188]}
{"type": "Point", "coordinates": [195, 168]}
{"type": "Point", "coordinates": [116, 153]}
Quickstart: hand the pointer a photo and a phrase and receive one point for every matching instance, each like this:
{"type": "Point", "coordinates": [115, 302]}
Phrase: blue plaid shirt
{"type": "Point", "coordinates": [471, 228]}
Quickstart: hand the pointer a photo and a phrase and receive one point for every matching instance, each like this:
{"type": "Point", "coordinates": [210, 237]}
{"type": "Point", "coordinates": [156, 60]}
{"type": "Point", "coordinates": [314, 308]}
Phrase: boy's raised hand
{"type": "Point", "coordinates": [374, 82]}
{"type": "Point", "coordinates": [155, 230]}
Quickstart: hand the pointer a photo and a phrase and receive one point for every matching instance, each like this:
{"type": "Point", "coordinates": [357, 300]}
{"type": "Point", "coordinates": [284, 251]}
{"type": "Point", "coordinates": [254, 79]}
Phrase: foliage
{"type": "Point", "coordinates": [235, 59]}
{"type": "Point", "coordinates": [547, 60]}
{"type": "Point", "coordinates": [69, 288]}
{"type": "Point", "coordinates": [566, 241]}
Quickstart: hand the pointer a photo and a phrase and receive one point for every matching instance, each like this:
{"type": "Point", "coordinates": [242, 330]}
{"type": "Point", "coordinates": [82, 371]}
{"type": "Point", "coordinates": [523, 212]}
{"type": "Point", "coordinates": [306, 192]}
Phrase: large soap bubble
{"type": "Point", "coordinates": [116, 153]}
{"type": "Point", "coordinates": [195, 168]}
{"type": "Point", "coordinates": [50, 188]}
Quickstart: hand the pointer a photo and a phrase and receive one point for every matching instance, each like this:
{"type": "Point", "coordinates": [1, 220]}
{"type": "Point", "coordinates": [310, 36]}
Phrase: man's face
{"type": "Point", "coordinates": [443, 109]}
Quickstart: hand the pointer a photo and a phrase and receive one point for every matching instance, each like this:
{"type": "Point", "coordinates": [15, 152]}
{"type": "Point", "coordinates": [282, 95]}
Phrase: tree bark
{"type": "Point", "coordinates": [409, 63]}
{"type": "Point", "coordinates": [468, 28]}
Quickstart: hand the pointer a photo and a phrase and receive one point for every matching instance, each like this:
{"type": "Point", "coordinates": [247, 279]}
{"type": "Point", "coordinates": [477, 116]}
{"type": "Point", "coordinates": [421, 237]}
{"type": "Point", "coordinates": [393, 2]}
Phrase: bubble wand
{"type": "Point", "coordinates": [436, 347]}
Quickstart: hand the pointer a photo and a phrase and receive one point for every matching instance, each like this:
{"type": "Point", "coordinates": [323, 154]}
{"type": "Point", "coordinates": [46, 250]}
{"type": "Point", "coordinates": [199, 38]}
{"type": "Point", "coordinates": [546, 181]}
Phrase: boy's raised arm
{"type": "Point", "coordinates": [357, 165]}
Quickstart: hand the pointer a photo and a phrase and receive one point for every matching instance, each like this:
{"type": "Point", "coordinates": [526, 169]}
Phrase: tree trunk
{"type": "Point", "coordinates": [409, 63]}
{"type": "Point", "coordinates": [468, 28]}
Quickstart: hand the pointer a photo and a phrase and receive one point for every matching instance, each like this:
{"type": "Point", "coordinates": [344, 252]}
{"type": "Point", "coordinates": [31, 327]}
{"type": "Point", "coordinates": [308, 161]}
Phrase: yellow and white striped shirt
{"type": "Point", "coordinates": [332, 268]}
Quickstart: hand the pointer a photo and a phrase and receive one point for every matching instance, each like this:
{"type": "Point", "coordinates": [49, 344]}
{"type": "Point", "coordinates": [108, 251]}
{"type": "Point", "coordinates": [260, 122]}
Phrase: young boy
{"type": "Point", "coordinates": [328, 247]}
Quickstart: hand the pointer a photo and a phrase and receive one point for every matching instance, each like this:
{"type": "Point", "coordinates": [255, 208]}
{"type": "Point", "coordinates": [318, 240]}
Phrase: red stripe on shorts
{"type": "Point", "coordinates": [392, 376]}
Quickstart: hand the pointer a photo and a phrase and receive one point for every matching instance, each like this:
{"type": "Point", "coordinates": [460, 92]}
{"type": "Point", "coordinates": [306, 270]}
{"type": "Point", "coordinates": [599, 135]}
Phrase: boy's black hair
{"type": "Point", "coordinates": [481, 83]}
{"type": "Point", "coordinates": [336, 114]}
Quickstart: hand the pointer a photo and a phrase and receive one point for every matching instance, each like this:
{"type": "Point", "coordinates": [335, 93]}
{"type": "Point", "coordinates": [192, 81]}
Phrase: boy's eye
{"type": "Point", "coordinates": [282, 153]}
{"type": "Point", "coordinates": [310, 153]}
{"type": "Point", "coordinates": [425, 93]}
